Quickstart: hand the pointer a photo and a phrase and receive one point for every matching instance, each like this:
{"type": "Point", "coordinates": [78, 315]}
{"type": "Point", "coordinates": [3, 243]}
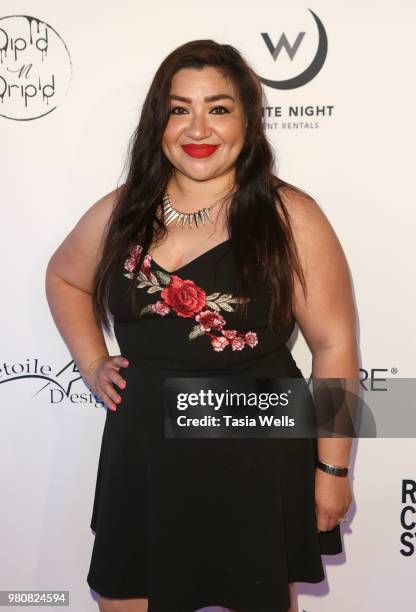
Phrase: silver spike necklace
{"type": "Point", "coordinates": [169, 214]}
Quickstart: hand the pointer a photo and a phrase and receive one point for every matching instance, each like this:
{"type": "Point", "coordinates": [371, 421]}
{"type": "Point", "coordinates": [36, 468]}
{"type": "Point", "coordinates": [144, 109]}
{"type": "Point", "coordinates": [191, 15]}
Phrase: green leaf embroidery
{"type": "Point", "coordinates": [154, 288]}
{"type": "Point", "coordinates": [213, 296]}
{"type": "Point", "coordinates": [226, 306]}
{"type": "Point", "coordinates": [223, 301]}
{"type": "Point", "coordinates": [195, 332]}
{"type": "Point", "coordinates": [165, 278]}
{"type": "Point", "coordinates": [145, 309]}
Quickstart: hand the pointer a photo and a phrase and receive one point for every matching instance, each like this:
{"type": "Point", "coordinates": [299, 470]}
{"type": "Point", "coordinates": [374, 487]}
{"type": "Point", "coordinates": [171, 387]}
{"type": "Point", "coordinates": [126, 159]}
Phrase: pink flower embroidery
{"type": "Point", "coordinates": [186, 299]}
{"type": "Point", "coordinates": [131, 261]}
{"type": "Point", "coordinates": [219, 343]}
{"type": "Point", "coordinates": [208, 319]}
{"type": "Point", "coordinates": [160, 308]}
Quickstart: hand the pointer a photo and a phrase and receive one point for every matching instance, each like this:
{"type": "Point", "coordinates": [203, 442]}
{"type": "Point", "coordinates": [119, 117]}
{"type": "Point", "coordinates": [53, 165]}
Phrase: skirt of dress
{"type": "Point", "coordinates": [190, 523]}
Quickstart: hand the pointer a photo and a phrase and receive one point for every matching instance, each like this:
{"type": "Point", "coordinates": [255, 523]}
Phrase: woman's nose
{"type": "Point", "coordinates": [198, 127]}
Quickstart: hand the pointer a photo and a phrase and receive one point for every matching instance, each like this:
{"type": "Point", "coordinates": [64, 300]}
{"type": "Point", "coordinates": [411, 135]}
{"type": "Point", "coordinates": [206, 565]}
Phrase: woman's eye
{"type": "Point", "coordinates": [180, 108]}
{"type": "Point", "coordinates": [223, 108]}
{"type": "Point", "coordinates": [176, 108]}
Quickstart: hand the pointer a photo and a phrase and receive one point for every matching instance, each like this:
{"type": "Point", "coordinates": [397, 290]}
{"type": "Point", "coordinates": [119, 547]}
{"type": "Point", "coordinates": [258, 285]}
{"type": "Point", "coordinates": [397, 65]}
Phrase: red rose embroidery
{"type": "Point", "coordinates": [184, 296]}
{"type": "Point", "coordinates": [188, 300]}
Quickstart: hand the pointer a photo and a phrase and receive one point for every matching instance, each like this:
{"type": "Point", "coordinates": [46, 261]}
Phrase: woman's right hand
{"type": "Point", "coordinates": [101, 375]}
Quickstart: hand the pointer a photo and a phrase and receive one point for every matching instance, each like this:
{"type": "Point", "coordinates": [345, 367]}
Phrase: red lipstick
{"type": "Point", "coordinates": [202, 150]}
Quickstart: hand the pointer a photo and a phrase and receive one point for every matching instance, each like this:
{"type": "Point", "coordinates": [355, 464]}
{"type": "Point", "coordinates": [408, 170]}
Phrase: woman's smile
{"type": "Point", "coordinates": [199, 150]}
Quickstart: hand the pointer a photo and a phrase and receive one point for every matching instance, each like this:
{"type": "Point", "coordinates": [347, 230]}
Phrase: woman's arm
{"type": "Point", "coordinates": [68, 284]}
{"type": "Point", "coordinates": [327, 319]}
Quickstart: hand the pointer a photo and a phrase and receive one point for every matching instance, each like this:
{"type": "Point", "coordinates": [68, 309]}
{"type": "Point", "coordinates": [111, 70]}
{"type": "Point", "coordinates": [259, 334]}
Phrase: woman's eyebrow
{"type": "Point", "coordinates": [213, 98]}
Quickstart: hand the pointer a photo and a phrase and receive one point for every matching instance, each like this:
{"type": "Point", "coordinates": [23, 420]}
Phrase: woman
{"type": "Point", "coordinates": [206, 261]}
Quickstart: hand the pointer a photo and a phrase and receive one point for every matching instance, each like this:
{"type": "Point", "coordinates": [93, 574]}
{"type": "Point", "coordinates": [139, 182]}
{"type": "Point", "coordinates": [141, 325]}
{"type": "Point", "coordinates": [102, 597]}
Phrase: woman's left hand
{"type": "Point", "coordinates": [332, 499]}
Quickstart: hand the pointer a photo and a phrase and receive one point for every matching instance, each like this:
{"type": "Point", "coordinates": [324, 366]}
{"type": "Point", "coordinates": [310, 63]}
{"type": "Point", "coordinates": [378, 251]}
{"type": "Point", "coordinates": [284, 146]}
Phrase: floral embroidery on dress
{"type": "Point", "coordinates": [187, 299]}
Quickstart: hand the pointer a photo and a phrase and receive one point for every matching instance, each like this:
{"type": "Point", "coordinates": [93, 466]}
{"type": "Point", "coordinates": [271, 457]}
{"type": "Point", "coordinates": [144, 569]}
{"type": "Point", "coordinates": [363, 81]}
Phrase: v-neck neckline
{"type": "Point", "coordinates": [193, 261]}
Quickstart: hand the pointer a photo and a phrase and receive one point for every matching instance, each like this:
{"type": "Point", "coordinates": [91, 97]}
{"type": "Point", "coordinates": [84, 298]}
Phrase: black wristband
{"type": "Point", "coordinates": [332, 469]}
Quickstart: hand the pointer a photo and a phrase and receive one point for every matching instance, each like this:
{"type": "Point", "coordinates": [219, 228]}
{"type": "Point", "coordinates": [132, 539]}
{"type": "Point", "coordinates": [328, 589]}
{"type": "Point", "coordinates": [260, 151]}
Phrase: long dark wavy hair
{"type": "Point", "coordinates": [258, 223]}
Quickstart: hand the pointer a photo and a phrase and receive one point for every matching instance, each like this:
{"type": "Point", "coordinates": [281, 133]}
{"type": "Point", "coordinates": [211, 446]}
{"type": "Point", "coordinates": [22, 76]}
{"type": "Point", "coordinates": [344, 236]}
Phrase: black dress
{"type": "Point", "coordinates": [190, 523]}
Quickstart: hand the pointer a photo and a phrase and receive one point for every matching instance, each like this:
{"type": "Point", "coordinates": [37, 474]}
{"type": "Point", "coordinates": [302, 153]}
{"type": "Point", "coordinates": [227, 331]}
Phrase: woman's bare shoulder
{"type": "Point", "coordinates": [77, 256]}
{"type": "Point", "coordinates": [301, 207]}
{"type": "Point", "coordinates": [327, 311]}
{"type": "Point", "coordinates": [311, 228]}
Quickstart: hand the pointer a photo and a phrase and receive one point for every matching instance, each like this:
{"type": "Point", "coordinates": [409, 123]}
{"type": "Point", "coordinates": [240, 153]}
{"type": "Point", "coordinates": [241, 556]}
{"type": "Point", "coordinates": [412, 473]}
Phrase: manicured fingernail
{"type": "Point", "coordinates": [122, 385]}
{"type": "Point", "coordinates": [112, 407]}
{"type": "Point", "coordinates": [126, 362]}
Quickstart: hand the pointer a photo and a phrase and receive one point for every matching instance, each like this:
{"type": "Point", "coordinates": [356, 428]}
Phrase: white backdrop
{"type": "Point", "coordinates": [353, 153]}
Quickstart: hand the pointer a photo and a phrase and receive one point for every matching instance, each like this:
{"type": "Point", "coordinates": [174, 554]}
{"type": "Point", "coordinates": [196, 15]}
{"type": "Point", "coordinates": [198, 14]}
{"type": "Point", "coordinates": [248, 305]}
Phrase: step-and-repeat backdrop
{"type": "Point", "coordinates": [340, 91]}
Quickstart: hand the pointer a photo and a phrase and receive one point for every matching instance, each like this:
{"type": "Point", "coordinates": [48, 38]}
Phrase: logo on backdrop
{"type": "Point", "coordinates": [308, 58]}
{"type": "Point", "coordinates": [408, 517]}
{"type": "Point", "coordinates": [59, 384]}
{"type": "Point", "coordinates": [35, 68]}
{"type": "Point", "coordinates": [375, 379]}
{"type": "Point", "coordinates": [314, 66]}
